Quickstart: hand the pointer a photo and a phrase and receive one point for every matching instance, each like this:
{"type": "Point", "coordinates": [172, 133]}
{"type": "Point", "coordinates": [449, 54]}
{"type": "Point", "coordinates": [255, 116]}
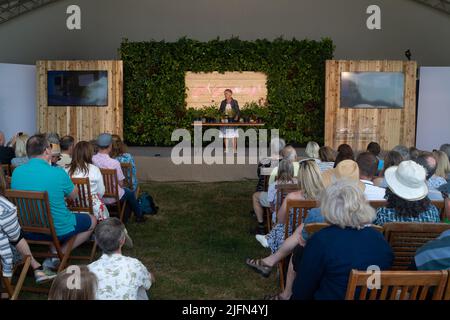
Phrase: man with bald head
{"type": "Point", "coordinates": [6, 153]}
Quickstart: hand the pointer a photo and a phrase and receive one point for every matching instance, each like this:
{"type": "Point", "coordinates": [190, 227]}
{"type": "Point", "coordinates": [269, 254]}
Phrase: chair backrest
{"type": "Point", "coordinates": [300, 206]}
{"type": "Point", "coordinates": [111, 183]}
{"type": "Point", "coordinates": [127, 170]}
{"type": "Point", "coordinates": [377, 204]}
{"type": "Point", "coordinates": [312, 228]}
{"type": "Point", "coordinates": [33, 211]}
{"type": "Point", "coordinates": [282, 191]}
{"type": "Point", "coordinates": [397, 285]}
{"type": "Point", "coordinates": [406, 237]}
{"type": "Point", "coordinates": [83, 203]}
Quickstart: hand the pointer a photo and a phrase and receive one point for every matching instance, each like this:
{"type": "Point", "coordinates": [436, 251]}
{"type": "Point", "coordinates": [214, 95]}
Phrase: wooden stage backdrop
{"type": "Point", "coordinates": [83, 123]}
{"type": "Point", "coordinates": [358, 127]}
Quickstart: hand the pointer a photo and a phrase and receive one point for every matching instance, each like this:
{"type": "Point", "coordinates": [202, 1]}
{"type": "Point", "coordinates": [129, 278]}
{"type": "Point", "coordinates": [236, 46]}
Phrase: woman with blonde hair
{"type": "Point", "coordinates": [20, 150]}
{"type": "Point", "coordinates": [312, 150]}
{"type": "Point", "coordinates": [63, 287]}
{"type": "Point", "coordinates": [310, 185]}
{"type": "Point", "coordinates": [323, 266]}
{"type": "Point", "coordinates": [443, 165]}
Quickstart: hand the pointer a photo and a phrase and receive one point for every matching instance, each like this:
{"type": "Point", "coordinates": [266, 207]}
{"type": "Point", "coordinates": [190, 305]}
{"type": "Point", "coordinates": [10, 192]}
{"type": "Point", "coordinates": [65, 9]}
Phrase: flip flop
{"type": "Point", "coordinates": [259, 266]}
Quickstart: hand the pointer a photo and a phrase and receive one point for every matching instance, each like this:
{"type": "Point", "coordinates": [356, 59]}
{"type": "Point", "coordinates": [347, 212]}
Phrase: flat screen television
{"type": "Point", "coordinates": [77, 88]}
{"type": "Point", "coordinates": [372, 89]}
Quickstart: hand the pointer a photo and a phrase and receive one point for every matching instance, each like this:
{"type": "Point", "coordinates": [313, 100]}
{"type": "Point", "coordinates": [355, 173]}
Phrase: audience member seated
{"type": "Point", "coordinates": [414, 153]}
{"type": "Point", "coordinates": [260, 199]}
{"type": "Point", "coordinates": [406, 196]}
{"type": "Point", "coordinates": [11, 237]}
{"type": "Point", "coordinates": [345, 152]}
{"type": "Point", "coordinates": [368, 166]}
{"type": "Point", "coordinates": [81, 167]}
{"type": "Point", "coordinates": [285, 176]}
{"type": "Point", "coordinates": [312, 151]}
{"type": "Point", "coordinates": [86, 284]}
{"type": "Point", "coordinates": [104, 161]}
{"type": "Point", "coordinates": [346, 170]}
{"type": "Point", "coordinates": [55, 154]}
{"type": "Point", "coordinates": [327, 157]}
{"type": "Point", "coordinates": [434, 255]}
{"type": "Point", "coordinates": [66, 143]}
{"type": "Point", "coordinates": [443, 165]}
{"type": "Point", "coordinates": [310, 185]}
{"type": "Point", "coordinates": [20, 151]}
{"type": "Point", "coordinates": [52, 137]}
{"type": "Point", "coordinates": [404, 152]}
{"type": "Point", "coordinates": [324, 265]}
{"type": "Point", "coordinates": [276, 148]}
{"type": "Point", "coordinates": [39, 175]}
{"type": "Point", "coordinates": [446, 148]}
{"type": "Point", "coordinates": [119, 153]}
{"type": "Point", "coordinates": [6, 152]}
{"type": "Point", "coordinates": [428, 162]}
{"type": "Point", "coordinates": [392, 158]}
{"type": "Point", "coordinates": [375, 149]}
{"type": "Point", "coordinates": [119, 277]}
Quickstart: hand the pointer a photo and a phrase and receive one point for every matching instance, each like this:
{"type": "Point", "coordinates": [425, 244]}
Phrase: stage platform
{"type": "Point", "coordinates": [155, 164]}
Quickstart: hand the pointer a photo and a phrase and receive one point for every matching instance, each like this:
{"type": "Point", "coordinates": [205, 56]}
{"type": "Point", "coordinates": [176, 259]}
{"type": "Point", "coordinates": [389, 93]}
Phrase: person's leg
{"type": "Point", "coordinates": [290, 277]}
{"type": "Point", "coordinates": [257, 207]}
{"type": "Point", "coordinates": [83, 236]}
{"type": "Point", "coordinates": [24, 249]}
{"type": "Point", "coordinates": [130, 197]}
{"type": "Point", "coordinates": [286, 249]}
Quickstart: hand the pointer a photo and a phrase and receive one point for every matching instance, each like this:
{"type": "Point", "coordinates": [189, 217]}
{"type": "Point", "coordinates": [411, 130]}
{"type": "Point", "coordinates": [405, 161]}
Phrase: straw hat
{"type": "Point", "coordinates": [407, 180]}
{"type": "Point", "coordinates": [346, 169]}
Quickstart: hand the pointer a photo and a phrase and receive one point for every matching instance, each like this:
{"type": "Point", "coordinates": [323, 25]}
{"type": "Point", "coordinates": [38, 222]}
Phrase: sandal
{"type": "Point", "coordinates": [259, 266]}
{"type": "Point", "coordinates": [273, 297]}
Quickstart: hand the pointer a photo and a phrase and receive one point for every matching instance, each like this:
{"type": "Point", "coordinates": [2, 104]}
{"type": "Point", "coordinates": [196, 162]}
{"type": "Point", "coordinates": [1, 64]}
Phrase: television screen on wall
{"type": "Point", "coordinates": [77, 88]}
{"type": "Point", "coordinates": [372, 89]}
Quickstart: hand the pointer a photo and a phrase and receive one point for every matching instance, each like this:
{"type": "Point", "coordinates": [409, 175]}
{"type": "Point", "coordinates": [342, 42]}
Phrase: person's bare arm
{"type": "Point", "coordinates": [74, 194]}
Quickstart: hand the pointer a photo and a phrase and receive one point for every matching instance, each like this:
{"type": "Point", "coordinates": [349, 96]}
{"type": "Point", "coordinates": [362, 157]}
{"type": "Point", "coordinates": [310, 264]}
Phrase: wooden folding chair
{"type": "Point", "coordinates": [447, 289]}
{"type": "Point", "coordinates": [312, 228]}
{"type": "Point", "coordinates": [300, 211]}
{"type": "Point", "coordinates": [406, 237]}
{"type": "Point", "coordinates": [112, 192]}
{"type": "Point", "coordinates": [83, 204]}
{"type": "Point", "coordinates": [12, 290]}
{"type": "Point", "coordinates": [34, 216]}
{"type": "Point", "coordinates": [397, 285]}
{"type": "Point", "coordinates": [441, 207]}
{"type": "Point", "coordinates": [378, 204]}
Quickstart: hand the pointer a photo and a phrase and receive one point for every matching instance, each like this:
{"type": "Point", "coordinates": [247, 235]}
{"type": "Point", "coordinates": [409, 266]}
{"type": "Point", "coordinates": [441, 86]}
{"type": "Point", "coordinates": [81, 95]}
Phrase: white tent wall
{"type": "Point", "coordinates": [17, 99]}
{"type": "Point", "coordinates": [433, 127]}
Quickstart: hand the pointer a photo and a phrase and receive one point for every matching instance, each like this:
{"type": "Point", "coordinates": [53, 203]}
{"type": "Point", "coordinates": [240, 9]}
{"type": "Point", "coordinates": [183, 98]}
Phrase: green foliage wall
{"type": "Point", "coordinates": [154, 88]}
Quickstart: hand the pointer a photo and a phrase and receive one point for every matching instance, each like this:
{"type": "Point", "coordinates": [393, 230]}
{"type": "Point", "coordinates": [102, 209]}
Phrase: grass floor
{"type": "Point", "coordinates": [197, 244]}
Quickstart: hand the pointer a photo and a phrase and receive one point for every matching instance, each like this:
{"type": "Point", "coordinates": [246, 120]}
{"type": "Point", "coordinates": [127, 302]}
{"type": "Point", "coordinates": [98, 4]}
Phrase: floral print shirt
{"type": "Point", "coordinates": [128, 158]}
{"type": "Point", "coordinates": [120, 278]}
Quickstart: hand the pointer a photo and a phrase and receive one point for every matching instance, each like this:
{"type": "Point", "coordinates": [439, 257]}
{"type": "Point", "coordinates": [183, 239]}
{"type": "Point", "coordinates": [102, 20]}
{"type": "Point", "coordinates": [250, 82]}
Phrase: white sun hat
{"type": "Point", "coordinates": [407, 180]}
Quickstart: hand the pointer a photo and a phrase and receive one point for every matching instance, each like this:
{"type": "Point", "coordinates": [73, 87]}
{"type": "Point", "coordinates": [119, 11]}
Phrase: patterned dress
{"type": "Point", "coordinates": [128, 158]}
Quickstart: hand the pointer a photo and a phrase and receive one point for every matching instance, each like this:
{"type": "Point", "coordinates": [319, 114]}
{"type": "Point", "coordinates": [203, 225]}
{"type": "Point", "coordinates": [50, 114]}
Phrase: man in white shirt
{"type": "Point", "coordinates": [119, 277]}
{"type": "Point", "coordinates": [368, 166]}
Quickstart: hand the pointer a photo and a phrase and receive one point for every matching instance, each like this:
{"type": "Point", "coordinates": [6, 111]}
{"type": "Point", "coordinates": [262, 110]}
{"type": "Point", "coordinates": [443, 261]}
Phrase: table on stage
{"type": "Point", "coordinates": [228, 125]}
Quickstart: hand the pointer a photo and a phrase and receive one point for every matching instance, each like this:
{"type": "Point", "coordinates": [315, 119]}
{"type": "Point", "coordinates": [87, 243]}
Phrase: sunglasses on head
{"type": "Point", "coordinates": [307, 160]}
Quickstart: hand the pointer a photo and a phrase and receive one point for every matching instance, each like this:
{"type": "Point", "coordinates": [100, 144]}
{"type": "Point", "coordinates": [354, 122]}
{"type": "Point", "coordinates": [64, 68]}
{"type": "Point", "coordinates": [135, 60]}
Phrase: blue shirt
{"type": "Point", "coordinates": [435, 254]}
{"type": "Point", "coordinates": [128, 158]}
{"type": "Point", "coordinates": [385, 215]}
{"type": "Point", "coordinates": [329, 256]}
{"type": "Point", "coordinates": [39, 175]}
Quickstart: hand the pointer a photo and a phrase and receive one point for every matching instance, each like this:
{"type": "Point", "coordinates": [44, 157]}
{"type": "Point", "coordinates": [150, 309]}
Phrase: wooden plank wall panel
{"type": "Point", "coordinates": [205, 89]}
{"type": "Point", "coordinates": [83, 123]}
{"type": "Point", "coordinates": [358, 127]}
